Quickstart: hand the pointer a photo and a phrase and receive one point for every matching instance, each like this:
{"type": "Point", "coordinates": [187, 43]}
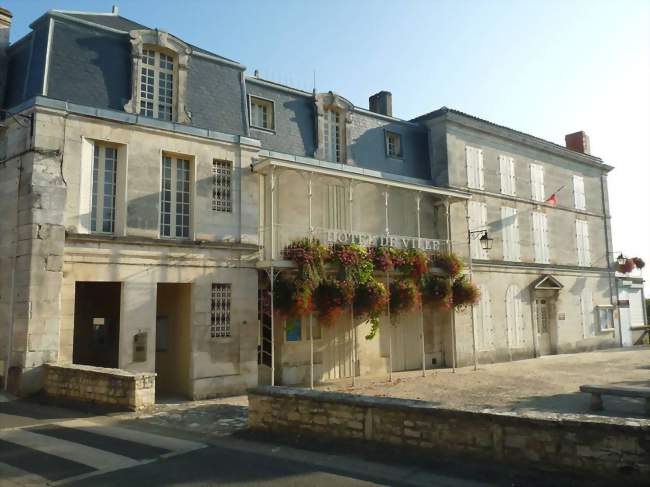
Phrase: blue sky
{"type": "Point", "coordinates": [546, 67]}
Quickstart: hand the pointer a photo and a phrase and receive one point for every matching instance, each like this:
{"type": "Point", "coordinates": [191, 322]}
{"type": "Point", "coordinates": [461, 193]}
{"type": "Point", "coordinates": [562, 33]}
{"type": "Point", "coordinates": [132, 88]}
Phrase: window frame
{"type": "Point", "coordinates": [97, 212]}
{"type": "Point", "coordinates": [583, 244]}
{"type": "Point", "coordinates": [158, 70]}
{"type": "Point", "coordinates": [250, 113]}
{"type": "Point", "coordinates": [174, 190]}
{"type": "Point", "coordinates": [610, 318]}
{"type": "Point", "coordinates": [397, 156]}
{"type": "Point", "coordinates": [223, 206]}
{"type": "Point", "coordinates": [227, 327]}
{"type": "Point", "coordinates": [337, 133]}
{"type": "Point", "coordinates": [510, 178]}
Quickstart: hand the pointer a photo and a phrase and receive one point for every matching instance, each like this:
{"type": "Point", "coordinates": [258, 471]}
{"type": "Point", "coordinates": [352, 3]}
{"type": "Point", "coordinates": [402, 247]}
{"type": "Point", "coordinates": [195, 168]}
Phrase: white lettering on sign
{"type": "Point", "coordinates": [342, 236]}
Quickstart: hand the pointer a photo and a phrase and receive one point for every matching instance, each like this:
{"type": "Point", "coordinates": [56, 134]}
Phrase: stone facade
{"type": "Point", "coordinates": [605, 448]}
{"type": "Point", "coordinates": [114, 388]}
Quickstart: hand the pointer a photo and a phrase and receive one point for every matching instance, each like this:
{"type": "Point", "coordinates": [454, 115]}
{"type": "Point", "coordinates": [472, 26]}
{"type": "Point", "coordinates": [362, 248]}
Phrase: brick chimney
{"type": "Point", "coordinates": [382, 103]}
{"type": "Point", "coordinates": [5, 27]}
{"type": "Point", "coordinates": [578, 141]}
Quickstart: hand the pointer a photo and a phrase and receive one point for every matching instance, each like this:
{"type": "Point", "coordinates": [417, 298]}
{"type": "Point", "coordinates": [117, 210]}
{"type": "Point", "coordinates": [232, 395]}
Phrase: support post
{"type": "Point", "coordinates": [311, 350]}
{"type": "Point", "coordinates": [469, 268]}
{"type": "Point", "coordinates": [418, 199]}
{"type": "Point", "coordinates": [353, 330]}
{"type": "Point", "coordinates": [272, 276]}
{"type": "Point", "coordinates": [453, 311]}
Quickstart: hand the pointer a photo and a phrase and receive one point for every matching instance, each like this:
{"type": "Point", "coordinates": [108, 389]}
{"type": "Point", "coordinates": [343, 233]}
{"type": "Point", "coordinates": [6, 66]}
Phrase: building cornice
{"type": "Point", "coordinates": [56, 106]}
{"type": "Point", "coordinates": [546, 268]}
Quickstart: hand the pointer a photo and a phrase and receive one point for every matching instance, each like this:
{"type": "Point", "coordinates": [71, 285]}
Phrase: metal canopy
{"type": "Point", "coordinates": [266, 163]}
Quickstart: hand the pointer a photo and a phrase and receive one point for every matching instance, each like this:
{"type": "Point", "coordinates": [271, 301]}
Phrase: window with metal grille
{"type": "Point", "coordinates": [394, 145]}
{"type": "Point", "coordinates": [222, 186]}
{"type": "Point", "coordinates": [102, 216]}
{"type": "Point", "coordinates": [175, 198]}
{"type": "Point", "coordinates": [220, 316]}
{"type": "Point", "coordinates": [261, 113]}
{"type": "Point", "coordinates": [157, 85]}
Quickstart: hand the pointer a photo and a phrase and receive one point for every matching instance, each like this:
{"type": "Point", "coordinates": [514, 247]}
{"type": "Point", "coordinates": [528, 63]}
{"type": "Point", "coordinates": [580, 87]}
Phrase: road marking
{"type": "Point", "coordinates": [11, 476]}
{"type": "Point", "coordinates": [92, 457]}
{"type": "Point", "coordinates": [159, 441]}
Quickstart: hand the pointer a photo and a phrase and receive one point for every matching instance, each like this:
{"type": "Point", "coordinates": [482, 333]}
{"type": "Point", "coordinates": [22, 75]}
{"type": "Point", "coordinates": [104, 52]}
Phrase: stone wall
{"type": "Point", "coordinates": [115, 388]}
{"type": "Point", "coordinates": [606, 448]}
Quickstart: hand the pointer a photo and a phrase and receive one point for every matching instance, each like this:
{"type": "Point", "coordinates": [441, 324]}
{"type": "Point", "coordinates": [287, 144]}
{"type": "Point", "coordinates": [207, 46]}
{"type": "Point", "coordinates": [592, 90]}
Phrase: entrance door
{"type": "Point", "coordinates": [96, 324]}
{"type": "Point", "coordinates": [407, 347]}
{"type": "Point", "coordinates": [543, 312]}
{"type": "Point", "coordinates": [173, 339]}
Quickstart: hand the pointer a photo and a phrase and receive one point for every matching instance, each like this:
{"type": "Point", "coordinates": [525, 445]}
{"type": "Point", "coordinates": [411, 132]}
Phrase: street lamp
{"type": "Point", "coordinates": [483, 238]}
{"type": "Point", "coordinates": [621, 259]}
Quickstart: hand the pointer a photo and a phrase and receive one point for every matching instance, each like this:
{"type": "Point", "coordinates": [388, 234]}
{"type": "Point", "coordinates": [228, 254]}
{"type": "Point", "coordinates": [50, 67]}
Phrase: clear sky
{"type": "Point", "coordinates": [547, 67]}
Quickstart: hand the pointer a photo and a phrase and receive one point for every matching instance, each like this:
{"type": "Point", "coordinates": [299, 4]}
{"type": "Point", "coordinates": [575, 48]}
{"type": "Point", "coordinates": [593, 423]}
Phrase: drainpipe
{"type": "Point", "coordinates": [607, 257]}
{"type": "Point", "coordinates": [311, 315]}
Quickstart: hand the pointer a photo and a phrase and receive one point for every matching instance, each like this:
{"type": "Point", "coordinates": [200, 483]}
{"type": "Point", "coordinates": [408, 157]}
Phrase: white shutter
{"type": "Point", "coordinates": [483, 223]}
{"type": "Point", "coordinates": [483, 321]}
{"type": "Point", "coordinates": [586, 258]}
{"type": "Point", "coordinates": [505, 232]}
{"type": "Point", "coordinates": [507, 173]}
{"type": "Point", "coordinates": [587, 311]}
{"type": "Point", "coordinates": [537, 182]}
{"type": "Point", "coordinates": [474, 161]}
{"type": "Point", "coordinates": [636, 307]}
{"type": "Point", "coordinates": [579, 192]}
{"type": "Point", "coordinates": [510, 233]}
{"type": "Point", "coordinates": [479, 168]}
{"type": "Point", "coordinates": [544, 235]}
{"type": "Point", "coordinates": [579, 247]}
{"type": "Point", "coordinates": [477, 221]}
{"type": "Point", "coordinates": [536, 237]}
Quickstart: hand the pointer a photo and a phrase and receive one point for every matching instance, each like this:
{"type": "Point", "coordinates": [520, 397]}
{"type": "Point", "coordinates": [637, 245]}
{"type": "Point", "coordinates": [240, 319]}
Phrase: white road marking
{"type": "Point", "coordinates": [159, 441]}
{"type": "Point", "coordinates": [75, 452]}
{"type": "Point", "coordinates": [10, 476]}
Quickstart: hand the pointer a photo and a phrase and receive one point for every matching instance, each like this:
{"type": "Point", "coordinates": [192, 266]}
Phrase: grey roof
{"type": "Point", "coordinates": [445, 110]}
{"type": "Point", "coordinates": [120, 23]}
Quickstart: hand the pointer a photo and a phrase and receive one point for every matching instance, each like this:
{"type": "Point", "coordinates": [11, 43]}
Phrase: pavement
{"type": "Point", "coordinates": [541, 387]}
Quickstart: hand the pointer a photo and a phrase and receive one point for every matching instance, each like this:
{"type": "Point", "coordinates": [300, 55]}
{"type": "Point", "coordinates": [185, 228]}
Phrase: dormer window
{"type": "Point", "coordinates": [394, 145]}
{"type": "Point", "coordinates": [159, 76]}
{"type": "Point", "coordinates": [157, 85]}
{"type": "Point", "coordinates": [332, 136]}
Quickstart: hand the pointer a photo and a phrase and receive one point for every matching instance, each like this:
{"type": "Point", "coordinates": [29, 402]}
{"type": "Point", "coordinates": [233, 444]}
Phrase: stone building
{"type": "Point", "coordinates": [149, 187]}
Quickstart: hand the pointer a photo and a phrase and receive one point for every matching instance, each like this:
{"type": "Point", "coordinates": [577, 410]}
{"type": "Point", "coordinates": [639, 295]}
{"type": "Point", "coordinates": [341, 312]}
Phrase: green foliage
{"type": "Point", "coordinates": [437, 292]}
{"type": "Point", "coordinates": [465, 293]}
{"type": "Point", "coordinates": [448, 262]}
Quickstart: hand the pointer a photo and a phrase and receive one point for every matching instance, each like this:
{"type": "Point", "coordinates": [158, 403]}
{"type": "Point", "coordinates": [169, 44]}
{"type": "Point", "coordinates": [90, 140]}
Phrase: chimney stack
{"type": "Point", "coordinates": [382, 103]}
{"type": "Point", "coordinates": [5, 27]}
{"type": "Point", "coordinates": [578, 141]}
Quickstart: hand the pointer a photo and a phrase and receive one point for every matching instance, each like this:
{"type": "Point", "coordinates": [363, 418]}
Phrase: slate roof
{"type": "Point", "coordinates": [121, 23]}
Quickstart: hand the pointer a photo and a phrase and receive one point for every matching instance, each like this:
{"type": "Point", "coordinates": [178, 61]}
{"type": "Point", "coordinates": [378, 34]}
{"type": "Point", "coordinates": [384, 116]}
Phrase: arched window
{"type": "Point", "coordinates": [333, 127]}
{"type": "Point", "coordinates": [483, 321]}
{"type": "Point", "coordinates": [587, 312]}
{"type": "Point", "coordinates": [515, 321]}
{"type": "Point", "coordinates": [157, 78]}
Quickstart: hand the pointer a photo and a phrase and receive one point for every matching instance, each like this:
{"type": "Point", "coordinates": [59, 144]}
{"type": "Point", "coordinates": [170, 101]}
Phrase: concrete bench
{"type": "Point", "coordinates": [612, 390]}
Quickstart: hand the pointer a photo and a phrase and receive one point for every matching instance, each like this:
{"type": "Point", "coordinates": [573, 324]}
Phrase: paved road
{"type": "Point", "coordinates": [41, 445]}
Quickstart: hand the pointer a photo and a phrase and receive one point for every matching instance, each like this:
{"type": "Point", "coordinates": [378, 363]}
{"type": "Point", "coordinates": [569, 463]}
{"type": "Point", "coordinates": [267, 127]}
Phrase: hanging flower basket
{"type": "Point", "coordinates": [465, 293]}
{"type": "Point", "coordinates": [638, 262]}
{"type": "Point", "coordinates": [380, 258]}
{"type": "Point", "coordinates": [331, 298]}
{"type": "Point", "coordinates": [449, 262]}
{"type": "Point", "coordinates": [627, 267]}
{"type": "Point", "coordinates": [437, 292]}
{"type": "Point", "coordinates": [309, 255]}
{"type": "Point", "coordinates": [404, 297]}
{"type": "Point", "coordinates": [291, 297]}
{"type": "Point", "coordinates": [352, 262]}
{"type": "Point", "coordinates": [370, 299]}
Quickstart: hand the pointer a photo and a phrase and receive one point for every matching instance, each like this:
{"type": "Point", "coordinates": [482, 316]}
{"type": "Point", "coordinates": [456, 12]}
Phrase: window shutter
{"type": "Point", "coordinates": [479, 168]}
{"type": "Point", "coordinates": [585, 244]}
{"type": "Point", "coordinates": [513, 184]}
{"type": "Point", "coordinates": [487, 319]}
{"type": "Point", "coordinates": [587, 309]}
{"type": "Point", "coordinates": [470, 166]}
{"type": "Point", "coordinates": [545, 246]}
{"type": "Point", "coordinates": [483, 208]}
{"type": "Point", "coordinates": [579, 247]}
{"type": "Point", "coordinates": [636, 306]}
{"type": "Point", "coordinates": [505, 233]}
{"type": "Point", "coordinates": [579, 192]}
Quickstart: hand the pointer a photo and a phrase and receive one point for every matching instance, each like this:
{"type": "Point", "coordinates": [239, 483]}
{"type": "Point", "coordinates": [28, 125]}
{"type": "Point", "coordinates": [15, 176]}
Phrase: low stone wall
{"type": "Point", "coordinates": [115, 388]}
{"type": "Point", "coordinates": [607, 448]}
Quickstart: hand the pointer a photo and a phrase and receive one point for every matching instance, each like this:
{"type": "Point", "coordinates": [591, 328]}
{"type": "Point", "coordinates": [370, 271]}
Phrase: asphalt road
{"type": "Point", "coordinates": [43, 445]}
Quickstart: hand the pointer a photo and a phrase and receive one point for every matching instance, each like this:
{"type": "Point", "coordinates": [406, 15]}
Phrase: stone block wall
{"type": "Point", "coordinates": [609, 447]}
{"type": "Point", "coordinates": [115, 388]}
